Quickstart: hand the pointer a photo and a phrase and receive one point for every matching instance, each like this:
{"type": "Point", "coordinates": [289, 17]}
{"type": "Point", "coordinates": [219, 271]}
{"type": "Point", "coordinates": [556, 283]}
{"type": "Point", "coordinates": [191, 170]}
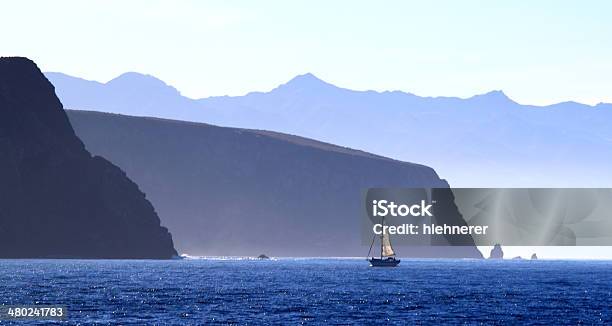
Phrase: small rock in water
{"type": "Point", "coordinates": [518, 258]}
{"type": "Point", "coordinates": [534, 257]}
{"type": "Point", "coordinates": [497, 252]}
{"type": "Point", "coordinates": [262, 256]}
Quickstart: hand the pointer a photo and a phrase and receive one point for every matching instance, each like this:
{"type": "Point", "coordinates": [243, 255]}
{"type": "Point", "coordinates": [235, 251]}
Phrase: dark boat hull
{"type": "Point", "coordinates": [384, 262]}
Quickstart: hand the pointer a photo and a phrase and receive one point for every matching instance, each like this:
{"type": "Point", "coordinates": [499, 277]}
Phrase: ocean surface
{"type": "Point", "coordinates": [314, 291]}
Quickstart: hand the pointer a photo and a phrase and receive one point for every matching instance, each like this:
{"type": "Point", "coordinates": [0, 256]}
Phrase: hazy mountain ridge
{"type": "Point", "coordinates": [228, 191]}
{"type": "Point", "coordinates": [484, 140]}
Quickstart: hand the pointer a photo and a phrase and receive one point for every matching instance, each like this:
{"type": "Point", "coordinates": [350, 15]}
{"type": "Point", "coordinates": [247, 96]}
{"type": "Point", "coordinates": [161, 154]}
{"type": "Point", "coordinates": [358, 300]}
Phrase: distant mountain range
{"type": "Point", "coordinates": [229, 191]}
{"type": "Point", "coordinates": [485, 140]}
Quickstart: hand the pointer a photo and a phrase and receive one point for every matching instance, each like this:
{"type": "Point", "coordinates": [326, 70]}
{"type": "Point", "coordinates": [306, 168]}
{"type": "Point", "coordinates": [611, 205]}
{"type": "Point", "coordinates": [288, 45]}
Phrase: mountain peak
{"type": "Point", "coordinates": [307, 81]}
{"type": "Point", "coordinates": [18, 61]}
{"type": "Point", "coordinates": [497, 94]}
{"type": "Point", "coordinates": [493, 97]}
{"type": "Point", "coordinates": [309, 77]}
{"type": "Point", "coordinates": [135, 77]}
{"type": "Point", "coordinates": [23, 85]}
{"type": "Point", "coordinates": [138, 81]}
{"type": "Point", "coordinates": [21, 72]}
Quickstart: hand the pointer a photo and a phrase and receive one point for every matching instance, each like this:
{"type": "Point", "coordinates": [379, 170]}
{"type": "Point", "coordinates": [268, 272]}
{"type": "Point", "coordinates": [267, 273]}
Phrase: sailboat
{"type": "Point", "coordinates": [387, 255]}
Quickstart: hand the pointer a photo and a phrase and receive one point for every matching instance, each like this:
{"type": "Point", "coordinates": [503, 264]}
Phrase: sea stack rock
{"type": "Point", "coordinates": [534, 257]}
{"type": "Point", "coordinates": [56, 199]}
{"type": "Point", "coordinates": [497, 252]}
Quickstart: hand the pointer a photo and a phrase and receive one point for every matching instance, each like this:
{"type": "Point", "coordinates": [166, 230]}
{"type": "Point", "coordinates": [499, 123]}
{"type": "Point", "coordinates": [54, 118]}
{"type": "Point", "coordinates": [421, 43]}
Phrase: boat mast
{"type": "Point", "coordinates": [371, 245]}
{"type": "Point", "coordinates": [382, 234]}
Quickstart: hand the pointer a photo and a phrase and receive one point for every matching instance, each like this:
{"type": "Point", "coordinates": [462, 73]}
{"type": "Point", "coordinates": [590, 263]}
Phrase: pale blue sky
{"type": "Point", "coordinates": [538, 52]}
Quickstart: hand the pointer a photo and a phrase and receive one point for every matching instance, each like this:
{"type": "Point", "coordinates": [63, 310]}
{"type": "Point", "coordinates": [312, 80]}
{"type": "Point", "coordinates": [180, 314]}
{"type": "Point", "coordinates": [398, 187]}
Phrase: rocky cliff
{"type": "Point", "coordinates": [496, 252]}
{"type": "Point", "coordinates": [229, 191]}
{"type": "Point", "coordinates": [56, 200]}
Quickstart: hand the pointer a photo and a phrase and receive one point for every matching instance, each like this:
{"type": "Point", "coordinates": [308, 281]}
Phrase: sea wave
{"type": "Point", "coordinates": [237, 258]}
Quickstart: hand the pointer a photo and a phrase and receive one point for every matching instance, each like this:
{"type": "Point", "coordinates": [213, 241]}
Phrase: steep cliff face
{"type": "Point", "coordinates": [56, 200]}
{"type": "Point", "coordinates": [228, 191]}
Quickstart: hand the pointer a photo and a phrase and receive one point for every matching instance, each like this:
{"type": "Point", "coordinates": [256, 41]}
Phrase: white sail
{"type": "Point", "coordinates": [387, 250]}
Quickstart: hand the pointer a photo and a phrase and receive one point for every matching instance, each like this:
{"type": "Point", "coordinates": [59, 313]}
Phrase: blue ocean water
{"type": "Point", "coordinates": [314, 291]}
